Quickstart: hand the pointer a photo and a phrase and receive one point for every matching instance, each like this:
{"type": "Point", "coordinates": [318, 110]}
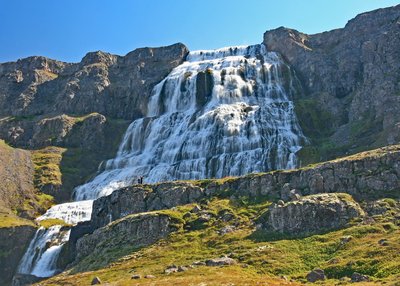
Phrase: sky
{"type": "Point", "coordinates": [67, 29]}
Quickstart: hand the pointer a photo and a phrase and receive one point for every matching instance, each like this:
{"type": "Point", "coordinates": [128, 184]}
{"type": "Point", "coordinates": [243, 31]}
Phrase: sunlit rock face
{"type": "Point", "coordinates": [225, 112]}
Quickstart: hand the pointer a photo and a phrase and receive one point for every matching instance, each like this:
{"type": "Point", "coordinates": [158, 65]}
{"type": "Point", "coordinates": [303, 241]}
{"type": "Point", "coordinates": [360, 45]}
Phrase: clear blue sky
{"type": "Point", "coordinates": [68, 29]}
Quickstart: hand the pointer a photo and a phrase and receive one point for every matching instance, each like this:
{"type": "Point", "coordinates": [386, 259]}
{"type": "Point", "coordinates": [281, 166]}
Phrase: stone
{"type": "Point", "coordinates": [136, 276]}
{"type": "Point", "coordinates": [311, 214]}
{"type": "Point", "coordinates": [345, 239]}
{"type": "Point", "coordinates": [383, 242]}
{"type": "Point", "coordinates": [95, 281]}
{"type": "Point", "coordinates": [316, 275]}
{"type": "Point", "coordinates": [199, 263]}
{"type": "Point", "coordinates": [220, 261]}
{"type": "Point", "coordinates": [171, 269]}
{"type": "Point", "coordinates": [148, 276]}
{"type": "Point", "coordinates": [153, 226]}
{"type": "Point", "coordinates": [357, 277]}
{"type": "Point", "coordinates": [182, 268]}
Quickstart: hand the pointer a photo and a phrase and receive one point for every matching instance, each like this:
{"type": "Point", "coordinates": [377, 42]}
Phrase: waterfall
{"type": "Point", "coordinates": [225, 112]}
{"type": "Point", "coordinates": [40, 259]}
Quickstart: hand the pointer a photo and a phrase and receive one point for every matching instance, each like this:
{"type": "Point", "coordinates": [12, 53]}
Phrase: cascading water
{"type": "Point", "coordinates": [221, 113]}
{"type": "Point", "coordinates": [42, 253]}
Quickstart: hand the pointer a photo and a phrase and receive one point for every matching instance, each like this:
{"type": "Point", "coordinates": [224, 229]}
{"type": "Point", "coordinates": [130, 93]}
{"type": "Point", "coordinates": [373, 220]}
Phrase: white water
{"type": "Point", "coordinates": [43, 251]}
{"type": "Point", "coordinates": [245, 123]}
{"type": "Point", "coordinates": [41, 257]}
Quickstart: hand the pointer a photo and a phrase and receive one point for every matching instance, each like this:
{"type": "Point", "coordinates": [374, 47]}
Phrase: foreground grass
{"type": "Point", "coordinates": [262, 258]}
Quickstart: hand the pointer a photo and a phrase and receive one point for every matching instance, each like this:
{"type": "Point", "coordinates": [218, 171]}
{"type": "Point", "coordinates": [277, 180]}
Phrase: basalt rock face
{"type": "Point", "coordinates": [84, 107]}
{"type": "Point", "coordinates": [138, 199]}
{"type": "Point", "coordinates": [114, 86]}
{"type": "Point", "coordinates": [366, 176]}
{"type": "Point", "coordinates": [311, 214]}
{"type": "Point", "coordinates": [13, 242]}
{"type": "Point", "coordinates": [351, 77]}
{"type": "Point", "coordinates": [137, 230]}
{"type": "Point", "coordinates": [16, 178]}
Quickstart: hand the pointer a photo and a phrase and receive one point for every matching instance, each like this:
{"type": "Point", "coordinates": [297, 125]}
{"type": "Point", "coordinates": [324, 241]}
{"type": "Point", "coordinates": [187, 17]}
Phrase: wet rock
{"type": "Point", "coordinates": [24, 280]}
{"type": "Point", "coordinates": [311, 214]}
{"type": "Point", "coordinates": [357, 277]}
{"type": "Point", "coordinates": [95, 281]}
{"type": "Point", "coordinates": [316, 275]}
{"type": "Point", "coordinates": [220, 261]}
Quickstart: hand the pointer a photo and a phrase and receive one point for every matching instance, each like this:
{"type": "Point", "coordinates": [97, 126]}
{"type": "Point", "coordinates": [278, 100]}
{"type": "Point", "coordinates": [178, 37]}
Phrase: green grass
{"type": "Point", "coordinates": [46, 223]}
{"type": "Point", "coordinates": [47, 167]}
{"type": "Point", "coordinates": [258, 254]}
{"type": "Point", "coordinates": [11, 220]}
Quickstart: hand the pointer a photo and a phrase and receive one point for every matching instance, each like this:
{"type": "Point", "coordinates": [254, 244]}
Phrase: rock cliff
{"type": "Point", "coordinates": [350, 80]}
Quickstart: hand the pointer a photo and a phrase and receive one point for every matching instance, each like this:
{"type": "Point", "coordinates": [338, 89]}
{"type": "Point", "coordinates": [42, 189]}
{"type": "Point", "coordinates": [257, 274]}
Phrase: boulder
{"type": "Point", "coordinates": [311, 214]}
{"type": "Point", "coordinates": [96, 280]}
{"type": "Point", "coordinates": [358, 277]}
{"type": "Point", "coordinates": [316, 275]}
{"type": "Point", "coordinates": [220, 261]}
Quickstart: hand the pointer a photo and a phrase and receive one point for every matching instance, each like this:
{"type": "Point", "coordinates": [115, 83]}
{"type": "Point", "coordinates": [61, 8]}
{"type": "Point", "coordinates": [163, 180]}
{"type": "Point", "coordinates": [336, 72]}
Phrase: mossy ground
{"type": "Point", "coordinates": [11, 220]}
{"type": "Point", "coordinates": [262, 258]}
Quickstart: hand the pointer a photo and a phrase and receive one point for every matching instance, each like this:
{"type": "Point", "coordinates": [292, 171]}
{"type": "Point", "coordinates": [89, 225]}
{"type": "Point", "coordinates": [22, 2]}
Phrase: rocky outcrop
{"type": "Point", "coordinates": [13, 243]}
{"type": "Point", "coordinates": [311, 214]}
{"type": "Point", "coordinates": [145, 198]}
{"type": "Point", "coordinates": [136, 230]}
{"type": "Point", "coordinates": [349, 78]}
{"type": "Point", "coordinates": [84, 107]}
{"type": "Point", "coordinates": [368, 176]}
{"type": "Point", "coordinates": [16, 178]}
{"type": "Point", "coordinates": [115, 86]}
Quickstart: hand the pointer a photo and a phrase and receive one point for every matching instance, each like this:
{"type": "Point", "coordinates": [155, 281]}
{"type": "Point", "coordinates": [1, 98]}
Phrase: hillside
{"type": "Point", "coordinates": [178, 232]}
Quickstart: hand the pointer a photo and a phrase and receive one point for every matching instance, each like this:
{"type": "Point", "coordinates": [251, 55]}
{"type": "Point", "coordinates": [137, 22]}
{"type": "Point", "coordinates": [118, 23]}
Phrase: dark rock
{"type": "Point", "coordinates": [171, 269]}
{"type": "Point", "coordinates": [95, 281]}
{"type": "Point", "coordinates": [340, 71]}
{"type": "Point", "coordinates": [312, 214]}
{"type": "Point", "coordinates": [199, 263]}
{"type": "Point", "coordinates": [196, 209]}
{"type": "Point", "coordinates": [136, 276]}
{"type": "Point", "coordinates": [138, 199]}
{"type": "Point", "coordinates": [24, 280]}
{"type": "Point", "coordinates": [383, 242]}
{"type": "Point", "coordinates": [182, 268]}
{"type": "Point", "coordinates": [139, 230]}
{"type": "Point", "coordinates": [357, 277]}
{"type": "Point", "coordinates": [220, 261]}
{"type": "Point", "coordinates": [316, 275]}
{"type": "Point", "coordinates": [13, 243]}
{"type": "Point", "coordinates": [112, 85]}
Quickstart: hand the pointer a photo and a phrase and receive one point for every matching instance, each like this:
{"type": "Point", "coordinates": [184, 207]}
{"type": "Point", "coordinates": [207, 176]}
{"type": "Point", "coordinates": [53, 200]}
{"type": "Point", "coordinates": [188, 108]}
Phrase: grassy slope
{"type": "Point", "coordinates": [262, 258]}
